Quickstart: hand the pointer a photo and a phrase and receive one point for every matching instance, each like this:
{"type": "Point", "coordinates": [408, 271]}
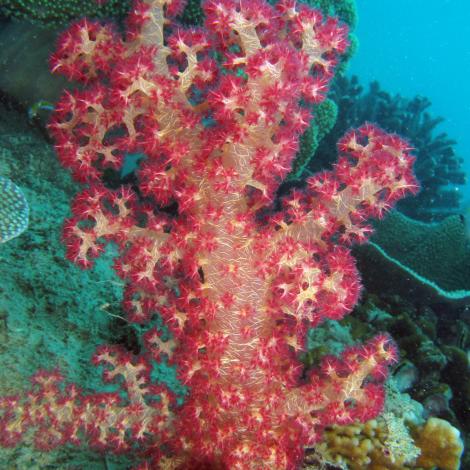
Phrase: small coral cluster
{"type": "Point", "coordinates": [54, 13]}
{"type": "Point", "coordinates": [216, 114]}
{"type": "Point", "coordinates": [379, 444]}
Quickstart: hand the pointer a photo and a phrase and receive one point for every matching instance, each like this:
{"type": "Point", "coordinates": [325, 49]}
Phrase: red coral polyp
{"type": "Point", "coordinates": [237, 282]}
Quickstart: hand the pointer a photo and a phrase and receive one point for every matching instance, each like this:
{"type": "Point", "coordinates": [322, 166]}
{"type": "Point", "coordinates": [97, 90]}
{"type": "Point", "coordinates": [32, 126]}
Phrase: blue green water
{"type": "Point", "coordinates": [420, 47]}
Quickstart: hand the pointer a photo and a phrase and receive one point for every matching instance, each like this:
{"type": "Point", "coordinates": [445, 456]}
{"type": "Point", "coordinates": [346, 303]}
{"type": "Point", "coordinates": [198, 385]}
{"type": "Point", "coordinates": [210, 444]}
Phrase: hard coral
{"type": "Point", "coordinates": [387, 444]}
{"type": "Point", "coordinates": [217, 114]}
{"type": "Point", "coordinates": [57, 13]}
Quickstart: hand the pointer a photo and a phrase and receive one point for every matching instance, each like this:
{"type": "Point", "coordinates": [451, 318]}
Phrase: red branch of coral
{"type": "Point", "coordinates": [217, 134]}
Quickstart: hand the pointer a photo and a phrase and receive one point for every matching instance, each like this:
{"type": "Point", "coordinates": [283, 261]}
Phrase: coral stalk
{"type": "Point", "coordinates": [216, 116]}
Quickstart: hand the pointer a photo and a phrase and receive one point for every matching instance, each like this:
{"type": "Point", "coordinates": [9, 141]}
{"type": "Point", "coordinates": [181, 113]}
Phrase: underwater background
{"type": "Point", "coordinates": [419, 48]}
{"type": "Point", "coordinates": [416, 269]}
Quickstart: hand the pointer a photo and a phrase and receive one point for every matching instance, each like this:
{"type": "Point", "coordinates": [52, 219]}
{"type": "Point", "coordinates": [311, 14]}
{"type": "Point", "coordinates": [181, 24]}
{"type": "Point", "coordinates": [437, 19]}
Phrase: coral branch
{"type": "Point", "coordinates": [215, 116]}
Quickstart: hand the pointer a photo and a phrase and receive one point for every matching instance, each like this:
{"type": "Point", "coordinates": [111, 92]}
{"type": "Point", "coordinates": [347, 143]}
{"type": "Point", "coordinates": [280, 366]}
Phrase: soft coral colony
{"type": "Point", "coordinates": [217, 113]}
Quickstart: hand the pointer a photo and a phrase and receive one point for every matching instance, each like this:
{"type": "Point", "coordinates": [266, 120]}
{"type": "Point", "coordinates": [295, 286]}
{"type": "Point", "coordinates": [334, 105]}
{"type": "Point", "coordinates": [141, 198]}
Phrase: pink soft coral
{"type": "Point", "coordinates": [238, 286]}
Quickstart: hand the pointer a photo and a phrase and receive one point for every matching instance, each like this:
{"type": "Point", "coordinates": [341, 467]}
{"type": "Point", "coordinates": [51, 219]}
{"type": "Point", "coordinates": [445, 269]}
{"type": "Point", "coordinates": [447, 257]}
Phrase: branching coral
{"type": "Point", "coordinates": [237, 282]}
